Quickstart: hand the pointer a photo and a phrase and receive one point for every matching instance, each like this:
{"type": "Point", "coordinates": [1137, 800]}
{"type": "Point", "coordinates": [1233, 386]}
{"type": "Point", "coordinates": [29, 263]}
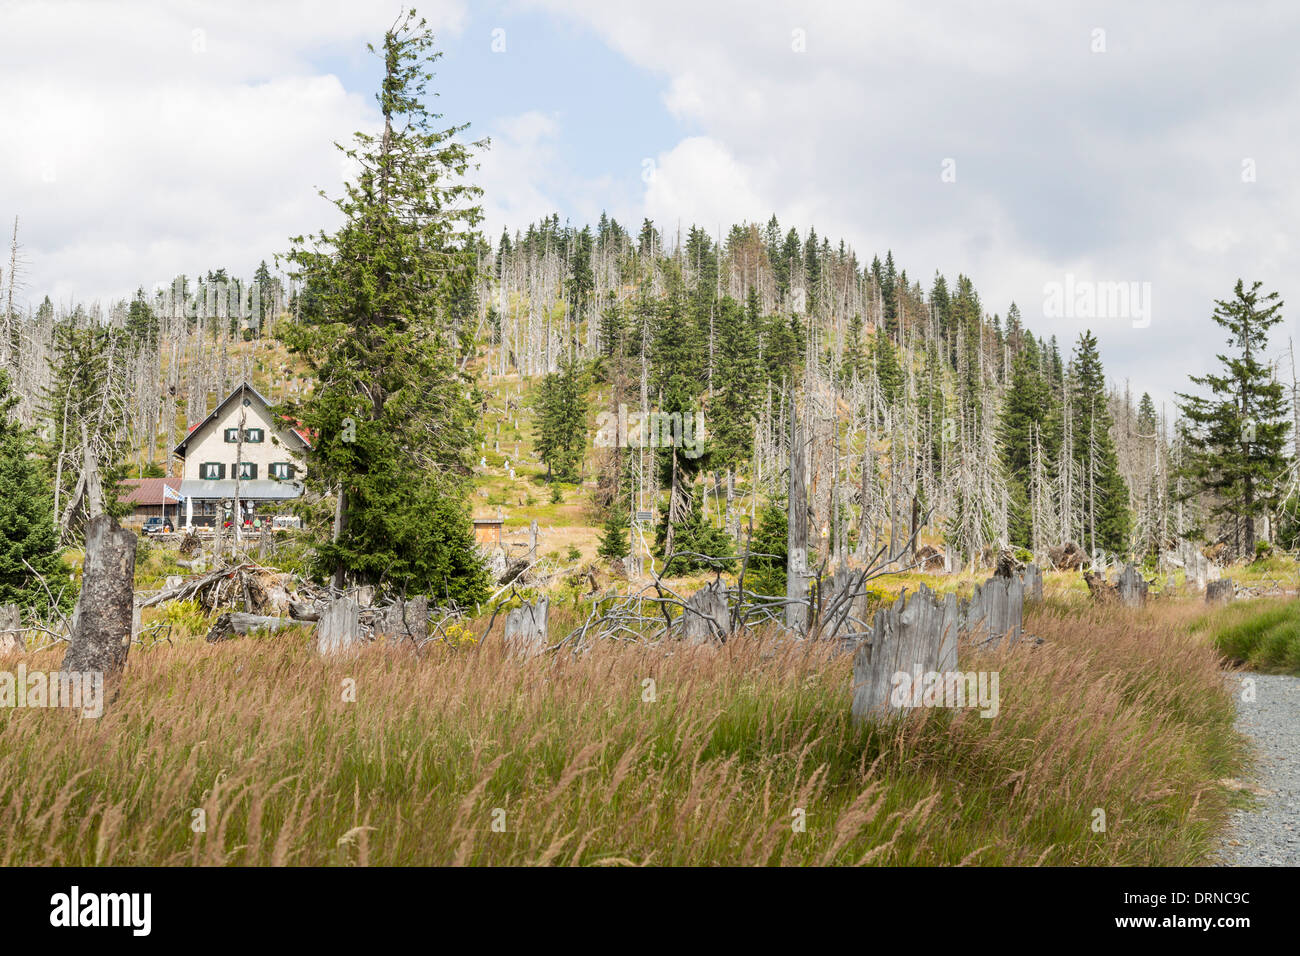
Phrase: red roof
{"type": "Point", "coordinates": [147, 491]}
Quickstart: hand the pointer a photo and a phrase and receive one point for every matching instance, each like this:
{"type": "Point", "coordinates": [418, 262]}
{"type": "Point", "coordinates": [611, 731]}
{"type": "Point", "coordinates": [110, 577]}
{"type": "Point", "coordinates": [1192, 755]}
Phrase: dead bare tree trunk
{"type": "Point", "coordinates": [796, 567]}
{"type": "Point", "coordinates": [101, 623]}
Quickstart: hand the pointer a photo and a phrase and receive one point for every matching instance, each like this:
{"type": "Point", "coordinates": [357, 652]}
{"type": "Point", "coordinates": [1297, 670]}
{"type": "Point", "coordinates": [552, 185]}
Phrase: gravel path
{"type": "Point", "coordinates": [1268, 834]}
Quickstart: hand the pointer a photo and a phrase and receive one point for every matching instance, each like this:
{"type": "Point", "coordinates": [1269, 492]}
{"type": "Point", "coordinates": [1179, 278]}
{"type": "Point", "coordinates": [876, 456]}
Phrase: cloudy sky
{"type": "Point", "coordinates": [1025, 144]}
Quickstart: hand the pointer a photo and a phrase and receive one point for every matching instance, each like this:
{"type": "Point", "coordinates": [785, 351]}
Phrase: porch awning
{"type": "Point", "coordinates": [257, 489]}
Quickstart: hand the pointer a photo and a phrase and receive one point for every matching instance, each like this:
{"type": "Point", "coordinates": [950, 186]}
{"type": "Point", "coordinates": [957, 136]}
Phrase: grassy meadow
{"type": "Point", "coordinates": [630, 755]}
{"type": "Point", "coordinates": [1262, 635]}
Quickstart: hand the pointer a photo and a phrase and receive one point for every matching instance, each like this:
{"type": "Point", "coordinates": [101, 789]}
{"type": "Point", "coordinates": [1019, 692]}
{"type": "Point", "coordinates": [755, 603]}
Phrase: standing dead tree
{"type": "Point", "coordinates": [796, 573]}
{"type": "Point", "coordinates": [102, 621]}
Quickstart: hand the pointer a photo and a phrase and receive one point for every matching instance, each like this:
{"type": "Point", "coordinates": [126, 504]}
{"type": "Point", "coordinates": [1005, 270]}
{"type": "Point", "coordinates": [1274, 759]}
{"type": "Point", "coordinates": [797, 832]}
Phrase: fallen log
{"type": "Point", "coordinates": [237, 622]}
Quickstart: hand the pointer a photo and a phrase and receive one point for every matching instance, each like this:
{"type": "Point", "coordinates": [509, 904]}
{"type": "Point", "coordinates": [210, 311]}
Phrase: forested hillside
{"type": "Point", "coordinates": [928, 411]}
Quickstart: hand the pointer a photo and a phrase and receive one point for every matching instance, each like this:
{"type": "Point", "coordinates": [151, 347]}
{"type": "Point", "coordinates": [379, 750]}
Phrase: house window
{"type": "Point", "coordinates": [254, 435]}
{"type": "Point", "coordinates": [281, 470]}
{"type": "Point", "coordinates": [245, 469]}
{"type": "Point", "coordinates": [232, 436]}
{"type": "Point", "coordinates": [212, 471]}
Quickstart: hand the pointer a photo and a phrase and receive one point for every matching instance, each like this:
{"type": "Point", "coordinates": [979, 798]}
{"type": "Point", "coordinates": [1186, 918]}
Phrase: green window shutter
{"type": "Point", "coordinates": [221, 470]}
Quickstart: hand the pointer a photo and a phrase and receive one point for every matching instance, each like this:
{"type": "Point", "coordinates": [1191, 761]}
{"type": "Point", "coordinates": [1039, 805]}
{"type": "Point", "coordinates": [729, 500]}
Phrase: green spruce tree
{"type": "Point", "coordinates": [1107, 516]}
{"type": "Point", "coordinates": [1236, 436]}
{"type": "Point", "coordinates": [392, 415]}
{"type": "Point", "coordinates": [28, 543]}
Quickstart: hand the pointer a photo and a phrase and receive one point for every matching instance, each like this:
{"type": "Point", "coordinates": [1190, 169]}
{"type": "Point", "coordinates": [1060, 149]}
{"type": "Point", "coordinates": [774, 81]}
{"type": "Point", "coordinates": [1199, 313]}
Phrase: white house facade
{"type": "Point", "coordinates": [241, 452]}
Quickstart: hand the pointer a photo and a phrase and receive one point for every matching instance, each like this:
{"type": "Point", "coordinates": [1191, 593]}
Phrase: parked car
{"type": "Point", "coordinates": [158, 525]}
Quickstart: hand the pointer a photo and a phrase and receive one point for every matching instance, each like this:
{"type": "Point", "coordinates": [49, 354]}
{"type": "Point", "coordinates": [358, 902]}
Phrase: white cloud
{"type": "Point", "coordinates": [1123, 165]}
{"type": "Point", "coordinates": [143, 140]}
{"type": "Point", "coordinates": [699, 182]}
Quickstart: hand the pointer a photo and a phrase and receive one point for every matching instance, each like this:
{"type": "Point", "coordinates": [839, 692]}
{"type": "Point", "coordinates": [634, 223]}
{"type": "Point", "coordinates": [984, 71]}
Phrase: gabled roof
{"type": "Point", "coordinates": [147, 491]}
{"type": "Point", "coordinates": [294, 427]}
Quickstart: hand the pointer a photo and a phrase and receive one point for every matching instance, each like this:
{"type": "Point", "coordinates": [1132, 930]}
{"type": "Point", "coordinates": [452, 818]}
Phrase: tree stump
{"type": "Point", "coordinates": [340, 626]}
{"type": "Point", "coordinates": [101, 623]}
{"type": "Point", "coordinates": [11, 633]}
{"type": "Point", "coordinates": [706, 618]}
{"type": "Point", "coordinates": [1102, 591]}
{"type": "Point", "coordinates": [915, 636]}
{"type": "Point", "coordinates": [995, 612]}
{"type": "Point", "coordinates": [525, 629]}
{"type": "Point", "coordinates": [1032, 580]}
{"type": "Point", "coordinates": [1220, 592]}
{"type": "Point", "coordinates": [1130, 587]}
{"type": "Point", "coordinates": [404, 620]}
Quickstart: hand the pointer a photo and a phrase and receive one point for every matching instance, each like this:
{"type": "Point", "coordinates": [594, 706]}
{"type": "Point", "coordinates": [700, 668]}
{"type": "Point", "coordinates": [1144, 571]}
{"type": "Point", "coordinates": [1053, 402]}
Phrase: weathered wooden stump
{"type": "Point", "coordinates": [1102, 591]}
{"type": "Point", "coordinates": [525, 629]}
{"type": "Point", "coordinates": [995, 612]}
{"type": "Point", "coordinates": [1220, 592]}
{"type": "Point", "coordinates": [1132, 590]}
{"type": "Point", "coordinates": [915, 636]}
{"type": "Point", "coordinates": [706, 618]}
{"type": "Point", "coordinates": [101, 623]}
{"type": "Point", "coordinates": [404, 620]}
{"type": "Point", "coordinates": [11, 633]}
{"type": "Point", "coordinates": [1032, 580]}
{"type": "Point", "coordinates": [340, 626]}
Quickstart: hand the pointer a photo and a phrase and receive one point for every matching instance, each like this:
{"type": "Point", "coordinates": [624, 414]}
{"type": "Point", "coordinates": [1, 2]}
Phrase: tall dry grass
{"type": "Point", "coordinates": [574, 762]}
